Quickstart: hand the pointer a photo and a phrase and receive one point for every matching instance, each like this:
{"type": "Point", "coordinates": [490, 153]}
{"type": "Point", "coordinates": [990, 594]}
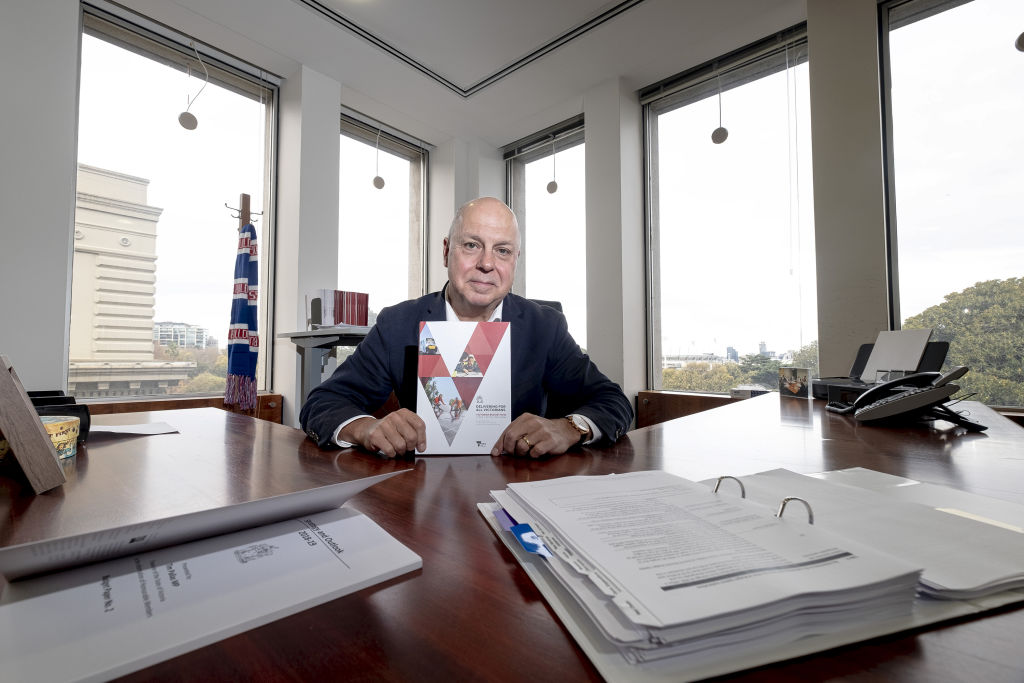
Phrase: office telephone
{"type": "Point", "coordinates": [921, 395]}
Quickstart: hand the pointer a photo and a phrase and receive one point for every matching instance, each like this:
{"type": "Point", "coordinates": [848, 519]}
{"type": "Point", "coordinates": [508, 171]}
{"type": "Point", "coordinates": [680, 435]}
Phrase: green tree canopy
{"type": "Point", "coordinates": [758, 369]}
{"type": "Point", "coordinates": [807, 357]}
{"type": "Point", "coordinates": [984, 325]}
{"type": "Point", "coordinates": [203, 383]}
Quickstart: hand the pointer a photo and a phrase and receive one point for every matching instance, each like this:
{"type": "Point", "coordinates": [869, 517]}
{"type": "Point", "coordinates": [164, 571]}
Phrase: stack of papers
{"type": "Point", "coordinates": [970, 546]}
{"type": "Point", "coordinates": [675, 580]}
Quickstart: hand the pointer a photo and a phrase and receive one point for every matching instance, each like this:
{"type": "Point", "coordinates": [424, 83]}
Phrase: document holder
{"type": "Point", "coordinates": [30, 444]}
{"type": "Point", "coordinates": [782, 504]}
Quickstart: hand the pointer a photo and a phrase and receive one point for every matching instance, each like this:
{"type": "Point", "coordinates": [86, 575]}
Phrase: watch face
{"type": "Point", "coordinates": [580, 424]}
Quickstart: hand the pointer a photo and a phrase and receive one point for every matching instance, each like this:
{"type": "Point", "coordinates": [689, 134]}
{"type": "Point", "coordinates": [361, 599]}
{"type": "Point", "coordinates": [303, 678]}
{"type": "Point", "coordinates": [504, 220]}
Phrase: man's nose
{"type": "Point", "coordinates": [486, 260]}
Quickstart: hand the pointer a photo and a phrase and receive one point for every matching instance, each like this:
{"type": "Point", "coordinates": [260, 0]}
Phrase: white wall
{"type": "Point", "coordinates": [306, 253]}
{"type": "Point", "coordinates": [460, 170]}
{"type": "Point", "coordinates": [616, 323]}
{"type": "Point", "coordinates": [38, 148]}
{"type": "Point", "coordinates": [849, 209]}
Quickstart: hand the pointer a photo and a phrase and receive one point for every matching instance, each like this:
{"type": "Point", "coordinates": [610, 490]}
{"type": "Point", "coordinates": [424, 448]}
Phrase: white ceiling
{"type": "Point", "coordinates": [487, 70]}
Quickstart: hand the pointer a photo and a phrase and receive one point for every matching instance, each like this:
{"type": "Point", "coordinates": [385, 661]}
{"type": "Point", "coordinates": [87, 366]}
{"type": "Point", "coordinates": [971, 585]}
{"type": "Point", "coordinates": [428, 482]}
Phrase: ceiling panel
{"type": "Point", "coordinates": [467, 41]}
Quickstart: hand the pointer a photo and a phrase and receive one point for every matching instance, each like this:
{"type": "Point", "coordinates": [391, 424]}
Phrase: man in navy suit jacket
{"type": "Point", "coordinates": [559, 397]}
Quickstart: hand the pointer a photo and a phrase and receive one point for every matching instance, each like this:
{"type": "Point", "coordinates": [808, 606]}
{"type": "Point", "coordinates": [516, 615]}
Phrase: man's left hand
{"type": "Point", "coordinates": [533, 436]}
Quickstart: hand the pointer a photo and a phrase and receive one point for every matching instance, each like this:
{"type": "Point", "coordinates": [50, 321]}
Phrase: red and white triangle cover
{"type": "Point", "coordinates": [464, 388]}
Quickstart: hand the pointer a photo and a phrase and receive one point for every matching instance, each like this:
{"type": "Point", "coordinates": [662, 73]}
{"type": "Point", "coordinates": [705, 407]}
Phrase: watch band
{"type": "Point", "coordinates": [584, 433]}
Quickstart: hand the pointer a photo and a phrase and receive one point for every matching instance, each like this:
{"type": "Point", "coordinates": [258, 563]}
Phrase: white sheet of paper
{"type": "Point", "coordinates": [108, 619]}
{"type": "Point", "coordinates": [688, 583]}
{"type": "Point", "coordinates": [60, 553]}
{"type": "Point", "coordinates": [896, 350]}
{"type": "Point", "coordinates": [987, 558]}
{"type": "Point", "coordinates": [142, 428]}
{"type": "Point", "coordinates": [616, 669]}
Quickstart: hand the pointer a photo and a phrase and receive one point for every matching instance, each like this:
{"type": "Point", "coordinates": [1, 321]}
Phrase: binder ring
{"type": "Point", "coordinates": [782, 508]}
{"type": "Point", "coordinates": [743, 491]}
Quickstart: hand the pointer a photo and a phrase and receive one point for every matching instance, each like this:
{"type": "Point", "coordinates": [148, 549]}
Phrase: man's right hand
{"type": "Point", "coordinates": [394, 434]}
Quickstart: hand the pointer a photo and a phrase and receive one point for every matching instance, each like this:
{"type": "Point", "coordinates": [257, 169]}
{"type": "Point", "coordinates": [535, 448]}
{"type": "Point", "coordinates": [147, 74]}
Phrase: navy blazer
{"type": "Point", "coordinates": [551, 376]}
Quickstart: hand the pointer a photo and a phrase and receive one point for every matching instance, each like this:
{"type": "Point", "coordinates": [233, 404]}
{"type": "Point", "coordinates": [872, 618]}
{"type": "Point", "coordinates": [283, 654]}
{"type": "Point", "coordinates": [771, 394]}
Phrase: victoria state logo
{"type": "Point", "coordinates": [254, 552]}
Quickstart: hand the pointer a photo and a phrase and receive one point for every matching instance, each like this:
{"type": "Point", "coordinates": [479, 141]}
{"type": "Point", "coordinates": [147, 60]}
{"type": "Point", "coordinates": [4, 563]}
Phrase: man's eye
{"type": "Point", "coordinates": [504, 252]}
{"type": "Point", "coordinates": [470, 246]}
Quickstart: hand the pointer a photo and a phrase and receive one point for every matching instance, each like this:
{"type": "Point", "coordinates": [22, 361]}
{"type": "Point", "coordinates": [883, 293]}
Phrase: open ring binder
{"type": "Point", "coordinates": [782, 508]}
{"type": "Point", "coordinates": [743, 490]}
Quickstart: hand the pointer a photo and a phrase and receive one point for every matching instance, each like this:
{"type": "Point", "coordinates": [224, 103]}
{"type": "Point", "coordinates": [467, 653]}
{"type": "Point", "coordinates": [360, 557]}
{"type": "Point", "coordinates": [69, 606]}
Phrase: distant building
{"type": "Point", "coordinates": [732, 354]}
{"type": "Point", "coordinates": [183, 335]}
{"type": "Point", "coordinates": [113, 290]}
{"type": "Point", "coordinates": [682, 360]}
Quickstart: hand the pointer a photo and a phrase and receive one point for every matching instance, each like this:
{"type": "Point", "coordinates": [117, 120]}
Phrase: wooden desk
{"type": "Point", "coordinates": [471, 613]}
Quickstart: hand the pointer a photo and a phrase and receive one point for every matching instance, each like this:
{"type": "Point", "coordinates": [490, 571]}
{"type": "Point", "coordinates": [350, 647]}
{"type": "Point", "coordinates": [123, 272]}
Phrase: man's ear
{"type": "Point", "coordinates": [445, 251]}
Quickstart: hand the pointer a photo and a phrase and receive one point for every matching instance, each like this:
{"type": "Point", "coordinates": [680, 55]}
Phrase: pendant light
{"type": "Point", "coordinates": [378, 182]}
{"type": "Point", "coordinates": [553, 185]}
{"type": "Point", "coordinates": [719, 135]}
{"type": "Point", "coordinates": [186, 118]}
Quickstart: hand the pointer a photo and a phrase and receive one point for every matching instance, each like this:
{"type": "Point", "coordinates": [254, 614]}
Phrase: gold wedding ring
{"type": "Point", "coordinates": [526, 441]}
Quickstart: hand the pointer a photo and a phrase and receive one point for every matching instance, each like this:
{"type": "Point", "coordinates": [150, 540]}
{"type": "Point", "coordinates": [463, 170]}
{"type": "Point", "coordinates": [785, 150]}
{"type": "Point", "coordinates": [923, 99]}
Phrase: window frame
{"type": "Point", "coordinates": [544, 143]}
{"type": "Point", "coordinates": [136, 33]}
{"type": "Point", "coordinates": [362, 129]}
{"type": "Point", "coordinates": [739, 67]}
{"type": "Point", "coordinates": [893, 14]}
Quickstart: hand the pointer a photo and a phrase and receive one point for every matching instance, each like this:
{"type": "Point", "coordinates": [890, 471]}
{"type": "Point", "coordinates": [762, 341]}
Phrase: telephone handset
{"type": "Point", "coordinates": [914, 395]}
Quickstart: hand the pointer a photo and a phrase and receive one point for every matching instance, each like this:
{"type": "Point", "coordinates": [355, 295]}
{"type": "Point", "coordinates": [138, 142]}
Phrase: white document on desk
{"type": "Point", "coordinates": [108, 619]}
{"type": "Point", "coordinates": [140, 429]}
{"type": "Point", "coordinates": [962, 557]}
{"type": "Point", "coordinates": [25, 559]}
{"type": "Point", "coordinates": [463, 392]}
{"type": "Point", "coordinates": [684, 558]}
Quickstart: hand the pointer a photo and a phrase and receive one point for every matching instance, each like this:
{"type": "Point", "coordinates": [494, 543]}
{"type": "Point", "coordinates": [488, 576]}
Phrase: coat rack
{"type": "Point", "coordinates": [243, 214]}
{"type": "Point", "coordinates": [245, 217]}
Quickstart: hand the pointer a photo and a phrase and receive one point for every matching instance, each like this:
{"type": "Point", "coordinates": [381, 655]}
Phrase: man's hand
{"type": "Point", "coordinates": [533, 436]}
{"type": "Point", "coordinates": [396, 433]}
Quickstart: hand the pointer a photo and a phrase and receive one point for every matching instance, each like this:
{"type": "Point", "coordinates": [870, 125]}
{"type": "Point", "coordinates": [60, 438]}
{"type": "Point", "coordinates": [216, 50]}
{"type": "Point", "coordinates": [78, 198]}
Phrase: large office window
{"type": "Point", "coordinates": [956, 87]}
{"type": "Point", "coordinates": [380, 241]}
{"type": "Point", "coordinates": [155, 245]}
{"type": "Point", "coordinates": [731, 233]}
{"type": "Point", "coordinates": [547, 189]}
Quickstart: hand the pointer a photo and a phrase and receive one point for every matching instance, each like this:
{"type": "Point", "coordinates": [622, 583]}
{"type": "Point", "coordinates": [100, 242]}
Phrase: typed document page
{"type": "Point", "coordinates": [107, 619]}
{"type": "Point", "coordinates": [682, 554]}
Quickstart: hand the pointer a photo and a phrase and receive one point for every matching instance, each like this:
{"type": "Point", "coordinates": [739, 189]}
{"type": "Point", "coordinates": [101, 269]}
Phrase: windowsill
{"type": "Point", "coordinates": [269, 407]}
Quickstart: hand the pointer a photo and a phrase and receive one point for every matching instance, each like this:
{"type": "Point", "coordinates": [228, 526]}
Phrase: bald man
{"type": "Point", "coordinates": [559, 398]}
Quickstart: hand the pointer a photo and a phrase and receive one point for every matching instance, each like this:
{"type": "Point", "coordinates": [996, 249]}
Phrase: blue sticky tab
{"type": "Point", "coordinates": [505, 520]}
{"type": "Point", "coordinates": [529, 539]}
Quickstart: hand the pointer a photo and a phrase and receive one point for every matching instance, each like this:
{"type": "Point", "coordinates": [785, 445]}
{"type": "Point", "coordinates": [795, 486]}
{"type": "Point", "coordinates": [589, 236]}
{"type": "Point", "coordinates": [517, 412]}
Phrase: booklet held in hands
{"type": "Point", "coordinates": [464, 388]}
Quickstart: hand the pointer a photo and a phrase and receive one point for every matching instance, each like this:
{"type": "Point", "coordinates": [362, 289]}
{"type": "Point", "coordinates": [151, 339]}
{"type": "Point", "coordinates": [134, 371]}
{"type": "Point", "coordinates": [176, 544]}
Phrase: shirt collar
{"type": "Point", "coordinates": [450, 312]}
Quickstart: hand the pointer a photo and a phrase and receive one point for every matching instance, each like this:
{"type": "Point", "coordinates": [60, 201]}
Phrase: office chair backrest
{"type": "Point", "coordinates": [557, 305]}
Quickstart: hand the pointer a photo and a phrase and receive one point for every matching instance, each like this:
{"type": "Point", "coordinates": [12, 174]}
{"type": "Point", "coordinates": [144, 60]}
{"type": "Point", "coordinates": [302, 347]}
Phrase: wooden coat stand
{"type": "Point", "coordinates": [24, 431]}
{"type": "Point", "coordinates": [244, 218]}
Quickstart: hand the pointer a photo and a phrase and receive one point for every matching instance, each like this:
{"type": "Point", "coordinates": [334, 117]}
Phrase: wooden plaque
{"type": "Point", "coordinates": [30, 444]}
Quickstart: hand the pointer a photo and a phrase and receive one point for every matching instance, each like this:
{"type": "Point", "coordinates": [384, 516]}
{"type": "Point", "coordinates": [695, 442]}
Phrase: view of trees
{"type": "Point", "coordinates": [984, 325]}
{"type": "Point", "coordinates": [753, 369]}
{"type": "Point", "coordinates": [210, 373]}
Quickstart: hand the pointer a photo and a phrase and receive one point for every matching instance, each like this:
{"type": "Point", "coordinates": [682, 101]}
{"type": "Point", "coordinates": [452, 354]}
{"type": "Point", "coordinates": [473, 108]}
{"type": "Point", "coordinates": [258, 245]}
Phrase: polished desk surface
{"type": "Point", "coordinates": [470, 613]}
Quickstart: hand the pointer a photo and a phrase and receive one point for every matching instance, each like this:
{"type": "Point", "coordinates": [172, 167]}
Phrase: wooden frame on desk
{"type": "Point", "coordinates": [21, 426]}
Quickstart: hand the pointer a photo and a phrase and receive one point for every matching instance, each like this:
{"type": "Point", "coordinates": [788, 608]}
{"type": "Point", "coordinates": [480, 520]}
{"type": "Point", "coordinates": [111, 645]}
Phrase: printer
{"type": "Point", "coordinates": [845, 389]}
